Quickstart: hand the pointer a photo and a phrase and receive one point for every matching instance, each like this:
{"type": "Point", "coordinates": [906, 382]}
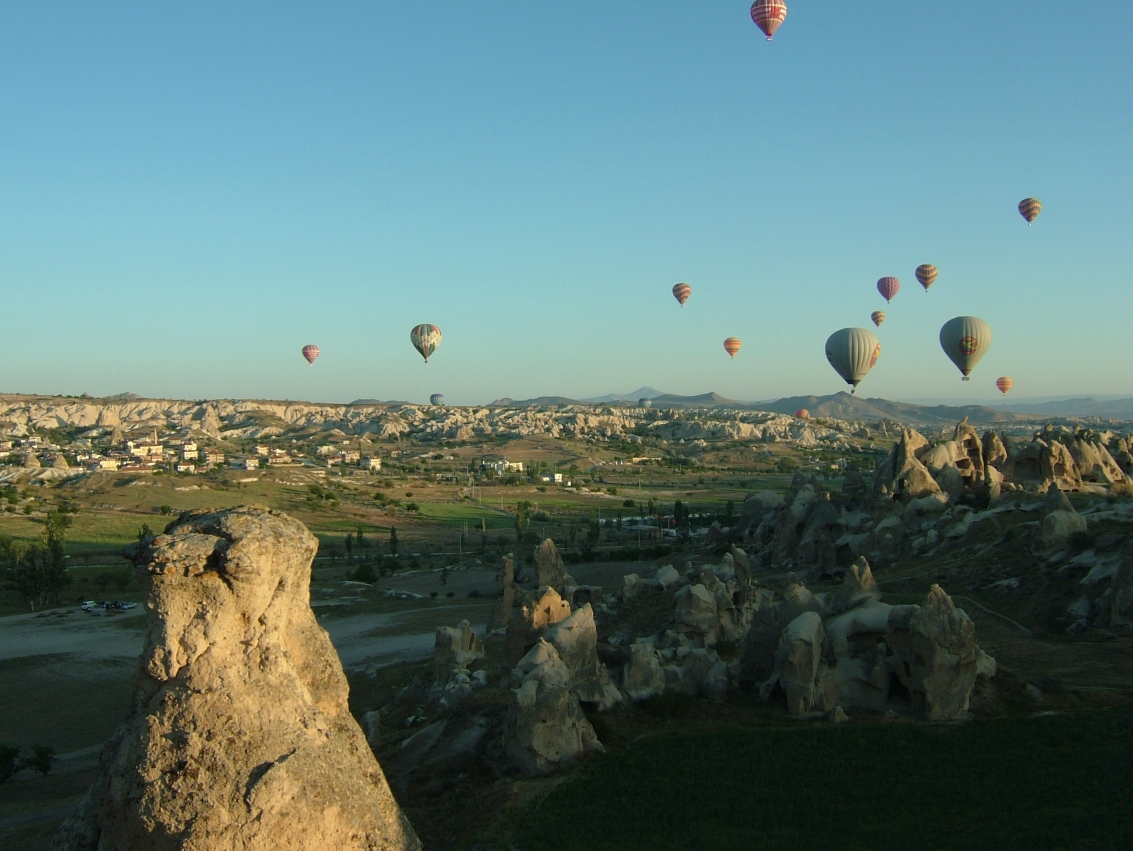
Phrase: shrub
{"type": "Point", "coordinates": [9, 763]}
{"type": "Point", "coordinates": [364, 573]}
{"type": "Point", "coordinates": [42, 759]}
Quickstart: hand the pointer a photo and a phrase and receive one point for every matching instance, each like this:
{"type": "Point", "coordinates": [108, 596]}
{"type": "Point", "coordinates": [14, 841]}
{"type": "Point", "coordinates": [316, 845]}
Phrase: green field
{"type": "Point", "coordinates": [1053, 783]}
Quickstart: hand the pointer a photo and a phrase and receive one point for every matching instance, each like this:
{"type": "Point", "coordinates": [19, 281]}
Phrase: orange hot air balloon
{"type": "Point", "coordinates": [310, 352]}
{"type": "Point", "coordinates": [768, 14]}
{"type": "Point", "coordinates": [926, 274]}
{"type": "Point", "coordinates": [878, 316]}
{"type": "Point", "coordinates": [1004, 384]}
{"type": "Point", "coordinates": [1029, 209]}
{"type": "Point", "coordinates": [681, 292]}
{"type": "Point", "coordinates": [888, 287]}
{"type": "Point", "coordinates": [732, 345]}
{"type": "Point", "coordinates": [802, 414]}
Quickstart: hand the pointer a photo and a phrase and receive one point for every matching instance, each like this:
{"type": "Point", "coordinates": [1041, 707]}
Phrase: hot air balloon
{"type": "Point", "coordinates": [310, 352]}
{"type": "Point", "coordinates": [425, 339]}
{"type": "Point", "coordinates": [965, 339]}
{"type": "Point", "coordinates": [644, 403]}
{"type": "Point", "coordinates": [1029, 209]}
{"type": "Point", "coordinates": [1004, 383]}
{"type": "Point", "coordinates": [437, 399]}
{"type": "Point", "coordinates": [732, 345]}
{"type": "Point", "coordinates": [878, 316]}
{"type": "Point", "coordinates": [681, 292]}
{"type": "Point", "coordinates": [768, 14]}
{"type": "Point", "coordinates": [888, 287]}
{"type": "Point", "coordinates": [926, 274]}
{"type": "Point", "coordinates": [802, 414]}
{"type": "Point", "coordinates": [852, 352]}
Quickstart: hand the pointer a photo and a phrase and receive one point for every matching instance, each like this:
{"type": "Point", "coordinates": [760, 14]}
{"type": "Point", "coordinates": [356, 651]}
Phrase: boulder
{"type": "Point", "coordinates": [702, 673]}
{"type": "Point", "coordinates": [643, 677]}
{"type": "Point", "coordinates": [858, 586]}
{"type": "Point", "coordinates": [902, 475]}
{"type": "Point", "coordinates": [799, 667]}
{"type": "Point", "coordinates": [501, 612]}
{"type": "Point", "coordinates": [696, 612]}
{"type": "Point", "coordinates": [995, 453]}
{"type": "Point", "coordinates": [575, 638]}
{"type": "Point", "coordinates": [546, 608]}
{"type": "Point", "coordinates": [455, 649]}
{"type": "Point", "coordinates": [545, 726]}
{"type": "Point", "coordinates": [240, 736]}
{"type": "Point", "coordinates": [1058, 467]}
{"type": "Point", "coordinates": [549, 565]}
{"type": "Point", "coordinates": [1059, 525]}
{"type": "Point", "coordinates": [937, 657]}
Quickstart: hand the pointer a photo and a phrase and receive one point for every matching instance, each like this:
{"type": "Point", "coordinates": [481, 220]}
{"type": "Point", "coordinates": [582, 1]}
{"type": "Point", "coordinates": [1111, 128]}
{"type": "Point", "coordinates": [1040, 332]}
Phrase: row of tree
{"type": "Point", "coordinates": [37, 571]}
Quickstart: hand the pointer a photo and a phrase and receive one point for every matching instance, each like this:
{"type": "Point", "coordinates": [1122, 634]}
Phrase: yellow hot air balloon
{"type": "Point", "coordinates": [732, 345]}
{"type": "Point", "coordinates": [878, 316]}
{"type": "Point", "coordinates": [1004, 383]}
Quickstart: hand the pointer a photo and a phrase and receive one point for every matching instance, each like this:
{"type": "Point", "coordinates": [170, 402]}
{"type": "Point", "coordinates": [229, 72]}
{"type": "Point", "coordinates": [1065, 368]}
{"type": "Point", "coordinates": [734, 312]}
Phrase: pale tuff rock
{"type": "Point", "coordinates": [529, 620]}
{"type": "Point", "coordinates": [858, 587]}
{"type": "Point", "coordinates": [576, 640]}
{"type": "Point", "coordinates": [454, 652]}
{"type": "Point", "coordinates": [549, 565]}
{"type": "Point", "coordinates": [545, 726]}
{"type": "Point", "coordinates": [643, 677]}
{"type": "Point", "coordinates": [902, 475]}
{"type": "Point", "coordinates": [800, 669]}
{"type": "Point", "coordinates": [1060, 523]}
{"type": "Point", "coordinates": [937, 655]}
{"type": "Point", "coordinates": [240, 736]}
{"type": "Point", "coordinates": [501, 612]}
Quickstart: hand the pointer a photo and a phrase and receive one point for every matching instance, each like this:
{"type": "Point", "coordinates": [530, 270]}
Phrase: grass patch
{"type": "Point", "coordinates": [1056, 782]}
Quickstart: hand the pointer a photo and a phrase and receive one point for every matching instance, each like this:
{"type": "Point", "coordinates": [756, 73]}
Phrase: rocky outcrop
{"type": "Point", "coordinates": [1060, 523]}
{"type": "Point", "coordinates": [529, 620]}
{"type": "Point", "coordinates": [545, 726]}
{"type": "Point", "coordinates": [576, 640]}
{"type": "Point", "coordinates": [501, 611]}
{"type": "Point", "coordinates": [549, 565]}
{"type": "Point", "coordinates": [240, 735]}
{"type": "Point", "coordinates": [937, 655]}
{"type": "Point", "coordinates": [643, 677]}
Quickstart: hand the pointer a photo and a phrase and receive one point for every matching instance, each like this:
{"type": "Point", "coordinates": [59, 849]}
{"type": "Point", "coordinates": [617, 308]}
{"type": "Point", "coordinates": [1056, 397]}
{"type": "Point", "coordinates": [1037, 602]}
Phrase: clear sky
{"type": "Point", "coordinates": [189, 192]}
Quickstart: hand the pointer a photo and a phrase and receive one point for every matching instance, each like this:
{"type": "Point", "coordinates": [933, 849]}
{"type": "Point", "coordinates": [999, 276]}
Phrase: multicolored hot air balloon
{"type": "Point", "coordinates": [878, 316]}
{"type": "Point", "coordinates": [1029, 209]}
{"type": "Point", "coordinates": [802, 414]}
{"type": "Point", "coordinates": [425, 339]}
{"type": "Point", "coordinates": [926, 274]}
{"type": "Point", "coordinates": [732, 345]}
{"type": "Point", "coordinates": [644, 403]}
{"type": "Point", "coordinates": [768, 14]}
{"type": "Point", "coordinates": [437, 400]}
{"type": "Point", "coordinates": [1004, 383]}
{"type": "Point", "coordinates": [853, 352]}
{"type": "Point", "coordinates": [888, 287]}
{"type": "Point", "coordinates": [310, 352]}
{"type": "Point", "coordinates": [681, 292]}
{"type": "Point", "coordinates": [965, 339]}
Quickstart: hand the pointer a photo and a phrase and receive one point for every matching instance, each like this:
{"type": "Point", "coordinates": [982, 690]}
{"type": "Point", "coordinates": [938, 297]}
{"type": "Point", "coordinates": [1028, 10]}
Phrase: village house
{"type": "Point", "coordinates": [211, 457]}
{"type": "Point", "coordinates": [249, 463]}
{"type": "Point", "coordinates": [370, 462]}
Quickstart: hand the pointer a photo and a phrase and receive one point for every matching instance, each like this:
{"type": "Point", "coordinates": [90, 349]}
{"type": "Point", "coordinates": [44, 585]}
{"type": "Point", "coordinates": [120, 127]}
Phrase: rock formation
{"type": "Point", "coordinates": [240, 736]}
{"type": "Point", "coordinates": [549, 565]}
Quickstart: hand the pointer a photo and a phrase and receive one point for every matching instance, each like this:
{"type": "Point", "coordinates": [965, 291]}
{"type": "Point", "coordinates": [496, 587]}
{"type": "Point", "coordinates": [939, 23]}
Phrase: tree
{"type": "Point", "coordinates": [9, 762]}
{"type": "Point", "coordinates": [393, 541]}
{"type": "Point", "coordinates": [42, 759]}
{"type": "Point", "coordinates": [348, 542]}
{"type": "Point", "coordinates": [145, 532]}
{"type": "Point", "coordinates": [522, 519]}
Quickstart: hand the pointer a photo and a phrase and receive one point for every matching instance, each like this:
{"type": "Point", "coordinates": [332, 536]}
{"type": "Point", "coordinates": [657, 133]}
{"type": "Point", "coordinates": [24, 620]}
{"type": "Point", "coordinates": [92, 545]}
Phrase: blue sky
{"type": "Point", "coordinates": [191, 192]}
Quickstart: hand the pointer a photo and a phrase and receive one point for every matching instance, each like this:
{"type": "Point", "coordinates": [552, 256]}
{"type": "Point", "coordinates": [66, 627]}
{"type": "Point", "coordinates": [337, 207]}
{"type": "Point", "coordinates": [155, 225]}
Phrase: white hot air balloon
{"type": "Point", "coordinates": [852, 352]}
{"type": "Point", "coordinates": [965, 339]}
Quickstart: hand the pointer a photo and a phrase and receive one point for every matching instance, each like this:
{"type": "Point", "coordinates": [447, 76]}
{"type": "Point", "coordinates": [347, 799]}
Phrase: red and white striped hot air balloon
{"type": "Point", "coordinates": [425, 339]}
{"type": "Point", "coordinates": [1004, 383]}
{"type": "Point", "coordinates": [732, 345]}
{"type": "Point", "coordinates": [681, 292]}
{"type": "Point", "coordinates": [768, 14]}
{"type": "Point", "coordinates": [888, 287]}
{"type": "Point", "coordinates": [802, 414]}
{"type": "Point", "coordinates": [310, 352]}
